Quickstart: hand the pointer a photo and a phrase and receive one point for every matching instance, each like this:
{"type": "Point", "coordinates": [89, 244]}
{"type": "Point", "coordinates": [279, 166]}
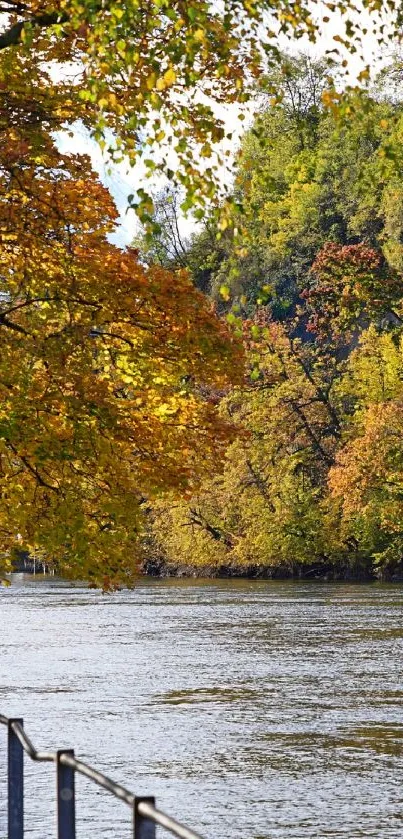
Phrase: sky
{"type": "Point", "coordinates": [121, 180]}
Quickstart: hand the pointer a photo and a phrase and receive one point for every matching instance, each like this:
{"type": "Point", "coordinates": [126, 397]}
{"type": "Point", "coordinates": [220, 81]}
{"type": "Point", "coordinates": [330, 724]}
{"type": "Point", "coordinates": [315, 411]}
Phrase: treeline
{"type": "Point", "coordinates": [313, 279]}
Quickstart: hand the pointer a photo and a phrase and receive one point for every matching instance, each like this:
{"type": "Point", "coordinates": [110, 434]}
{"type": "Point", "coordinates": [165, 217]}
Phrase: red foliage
{"type": "Point", "coordinates": [349, 282]}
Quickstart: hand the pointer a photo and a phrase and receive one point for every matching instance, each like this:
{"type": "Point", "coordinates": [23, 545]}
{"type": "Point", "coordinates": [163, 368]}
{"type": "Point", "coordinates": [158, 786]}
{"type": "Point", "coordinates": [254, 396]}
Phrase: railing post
{"type": "Point", "coordinates": [15, 783]}
{"type": "Point", "coordinates": [143, 828]}
{"type": "Point", "coordinates": [66, 807]}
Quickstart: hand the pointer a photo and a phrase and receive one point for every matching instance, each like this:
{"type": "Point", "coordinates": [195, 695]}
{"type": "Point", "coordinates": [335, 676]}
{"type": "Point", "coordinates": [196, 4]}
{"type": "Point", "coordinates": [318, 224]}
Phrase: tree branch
{"type": "Point", "coordinates": [32, 469]}
{"type": "Point", "coordinates": [5, 322]}
{"type": "Point", "coordinates": [12, 35]}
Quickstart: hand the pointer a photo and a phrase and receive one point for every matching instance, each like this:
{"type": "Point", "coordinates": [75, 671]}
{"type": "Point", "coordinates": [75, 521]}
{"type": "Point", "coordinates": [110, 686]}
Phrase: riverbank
{"type": "Point", "coordinates": [357, 571]}
{"type": "Point", "coordinates": [30, 565]}
{"type": "Point", "coordinates": [345, 572]}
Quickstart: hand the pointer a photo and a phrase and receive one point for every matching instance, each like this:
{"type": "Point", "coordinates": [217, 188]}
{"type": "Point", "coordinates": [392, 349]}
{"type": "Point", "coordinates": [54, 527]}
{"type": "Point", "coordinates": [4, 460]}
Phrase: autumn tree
{"type": "Point", "coordinates": [264, 514]}
{"type": "Point", "coordinates": [102, 359]}
{"type": "Point", "coordinates": [366, 479]}
{"type": "Point", "coordinates": [350, 286]}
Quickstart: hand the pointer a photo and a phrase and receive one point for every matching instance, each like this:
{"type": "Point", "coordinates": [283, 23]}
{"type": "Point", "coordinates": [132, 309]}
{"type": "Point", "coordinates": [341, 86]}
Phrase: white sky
{"type": "Point", "coordinates": [124, 180]}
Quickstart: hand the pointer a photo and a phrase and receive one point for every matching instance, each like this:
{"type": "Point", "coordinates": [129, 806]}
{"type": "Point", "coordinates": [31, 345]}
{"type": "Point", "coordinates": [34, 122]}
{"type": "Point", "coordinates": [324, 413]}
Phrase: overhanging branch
{"type": "Point", "coordinates": [12, 35]}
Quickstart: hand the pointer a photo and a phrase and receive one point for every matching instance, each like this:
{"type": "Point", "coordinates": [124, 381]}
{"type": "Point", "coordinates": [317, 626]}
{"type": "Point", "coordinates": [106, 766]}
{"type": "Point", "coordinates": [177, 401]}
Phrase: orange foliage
{"type": "Point", "coordinates": [102, 368]}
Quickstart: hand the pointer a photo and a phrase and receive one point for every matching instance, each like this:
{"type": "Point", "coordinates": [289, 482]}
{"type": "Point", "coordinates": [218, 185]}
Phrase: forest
{"type": "Point", "coordinates": [312, 484]}
{"type": "Point", "coordinates": [226, 404]}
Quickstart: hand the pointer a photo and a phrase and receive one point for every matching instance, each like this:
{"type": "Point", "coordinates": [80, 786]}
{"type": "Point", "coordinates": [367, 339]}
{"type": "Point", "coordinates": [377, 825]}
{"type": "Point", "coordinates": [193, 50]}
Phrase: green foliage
{"type": "Point", "coordinates": [314, 482]}
{"type": "Point", "coordinates": [265, 509]}
{"type": "Point", "coordinates": [305, 176]}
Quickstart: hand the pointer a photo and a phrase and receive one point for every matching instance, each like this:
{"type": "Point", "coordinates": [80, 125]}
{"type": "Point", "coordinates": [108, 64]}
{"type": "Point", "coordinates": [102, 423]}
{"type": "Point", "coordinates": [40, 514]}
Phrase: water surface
{"type": "Point", "coordinates": [251, 710]}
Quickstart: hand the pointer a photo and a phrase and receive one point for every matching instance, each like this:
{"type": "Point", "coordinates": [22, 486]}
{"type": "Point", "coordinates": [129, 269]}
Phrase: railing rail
{"type": "Point", "coordinates": [145, 815]}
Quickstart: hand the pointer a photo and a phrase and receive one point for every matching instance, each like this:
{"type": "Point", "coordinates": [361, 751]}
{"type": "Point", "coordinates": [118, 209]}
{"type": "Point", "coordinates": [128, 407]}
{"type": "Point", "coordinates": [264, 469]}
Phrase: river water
{"type": "Point", "coordinates": [251, 710]}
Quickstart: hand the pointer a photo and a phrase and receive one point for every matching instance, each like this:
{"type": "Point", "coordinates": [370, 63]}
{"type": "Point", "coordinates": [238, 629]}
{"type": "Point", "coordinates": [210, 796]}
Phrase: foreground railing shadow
{"type": "Point", "coordinates": [145, 815]}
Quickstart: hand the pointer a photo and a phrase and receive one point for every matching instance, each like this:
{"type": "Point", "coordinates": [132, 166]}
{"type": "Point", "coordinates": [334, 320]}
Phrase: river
{"type": "Point", "coordinates": [251, 710]}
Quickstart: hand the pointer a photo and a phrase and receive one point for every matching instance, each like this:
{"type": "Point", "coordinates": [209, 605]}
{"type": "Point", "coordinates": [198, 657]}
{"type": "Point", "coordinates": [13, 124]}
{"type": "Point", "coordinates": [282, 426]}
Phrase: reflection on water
{"type": "Point", "coordinates": [252, 710]}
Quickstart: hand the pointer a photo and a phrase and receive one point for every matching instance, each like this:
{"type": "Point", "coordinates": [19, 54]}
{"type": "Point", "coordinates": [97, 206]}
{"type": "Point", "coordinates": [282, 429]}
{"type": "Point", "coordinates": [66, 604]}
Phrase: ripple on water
{"type": "Point", "coordinates": [252, 709]}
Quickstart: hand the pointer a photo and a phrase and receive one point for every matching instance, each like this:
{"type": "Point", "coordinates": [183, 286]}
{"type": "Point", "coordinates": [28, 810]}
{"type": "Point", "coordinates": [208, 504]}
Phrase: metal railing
{"type": "Point", "coordinates": [145, 815]}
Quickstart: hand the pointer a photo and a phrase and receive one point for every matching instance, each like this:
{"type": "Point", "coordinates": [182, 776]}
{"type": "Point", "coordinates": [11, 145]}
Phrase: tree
{"type": "Point", "coordinates": [201, 252]}
{"type": "Point", "coordinates": [351, 284]}
{"type": "Point", "coordinates": [368, 484]}
{"type": "Point", "coordinates": [167, 246]}
{"type": "Point", "coordinates": [366, 479]}
{"type": "Point", "coordinates": [265, 513]}
{"type": "Point", "coordinates": [103, 360]}
{"type": "Point", "coordinates": [305, 178]}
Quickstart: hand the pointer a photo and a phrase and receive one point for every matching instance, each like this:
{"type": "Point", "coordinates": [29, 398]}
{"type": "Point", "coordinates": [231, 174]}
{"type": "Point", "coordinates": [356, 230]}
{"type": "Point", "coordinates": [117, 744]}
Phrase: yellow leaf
{"type": "Point", "coordinates": [170, 77]}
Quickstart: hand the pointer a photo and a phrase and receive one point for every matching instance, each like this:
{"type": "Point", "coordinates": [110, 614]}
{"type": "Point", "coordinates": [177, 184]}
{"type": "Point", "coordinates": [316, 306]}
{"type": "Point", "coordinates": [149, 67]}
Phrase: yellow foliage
{"type": "Point", "coordinates": [94, 415]}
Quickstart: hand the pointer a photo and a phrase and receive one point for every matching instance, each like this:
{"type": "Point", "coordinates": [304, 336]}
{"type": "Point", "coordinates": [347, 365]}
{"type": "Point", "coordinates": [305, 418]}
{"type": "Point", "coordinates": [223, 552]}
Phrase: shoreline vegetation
{"type": "Point", "coordinates": [160, 568]}
{"type": "Point", "coordinates": [316, 571]}
{"type": "Point", "coordinates": [312, 483]}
